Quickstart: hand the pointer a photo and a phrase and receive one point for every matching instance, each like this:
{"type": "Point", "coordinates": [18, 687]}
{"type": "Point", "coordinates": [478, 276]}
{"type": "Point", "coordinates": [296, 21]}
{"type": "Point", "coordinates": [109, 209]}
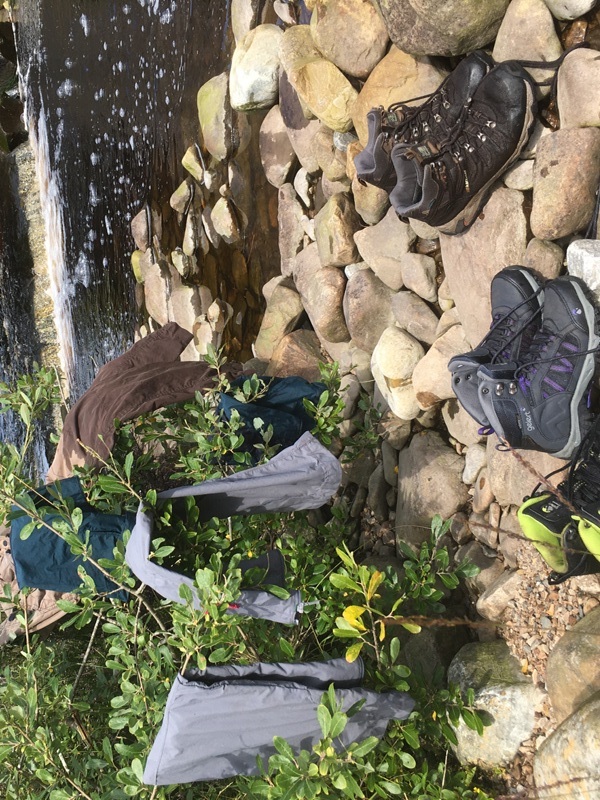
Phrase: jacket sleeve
{"type": "Point", "coordinates": [165, 344]}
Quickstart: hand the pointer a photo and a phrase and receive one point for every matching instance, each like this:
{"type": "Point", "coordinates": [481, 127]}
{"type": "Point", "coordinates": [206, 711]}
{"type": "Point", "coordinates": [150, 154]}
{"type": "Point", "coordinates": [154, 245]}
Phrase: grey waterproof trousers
{"type": "Point", "coordinates": [302, 476]}
{"type": "Point", "coordinates": [217, 721]}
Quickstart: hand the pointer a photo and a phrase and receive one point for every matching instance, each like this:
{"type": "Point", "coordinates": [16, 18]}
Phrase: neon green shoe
{"type": "Point", "coordinates": [543, 520]}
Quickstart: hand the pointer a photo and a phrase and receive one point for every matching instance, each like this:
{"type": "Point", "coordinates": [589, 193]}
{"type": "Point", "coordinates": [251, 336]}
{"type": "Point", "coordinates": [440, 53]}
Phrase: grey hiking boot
{"type": "Point", "coordinates": [405, 124]}
{"type": "Point", "coordinates": [541, 404]}
{"type": "Point", "coordinates": [449, 180]}
{"type": "Point", "coordinates": [516, 316]}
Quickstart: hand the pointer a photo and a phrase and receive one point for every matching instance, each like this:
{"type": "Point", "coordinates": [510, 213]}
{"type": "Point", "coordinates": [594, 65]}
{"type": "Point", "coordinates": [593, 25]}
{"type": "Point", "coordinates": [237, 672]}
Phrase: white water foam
{"type": "Point", "coordinates": [52, 210]}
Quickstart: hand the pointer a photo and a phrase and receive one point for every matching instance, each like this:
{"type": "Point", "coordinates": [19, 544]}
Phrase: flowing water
{"type": "Point", "coordinates": [110, 92]}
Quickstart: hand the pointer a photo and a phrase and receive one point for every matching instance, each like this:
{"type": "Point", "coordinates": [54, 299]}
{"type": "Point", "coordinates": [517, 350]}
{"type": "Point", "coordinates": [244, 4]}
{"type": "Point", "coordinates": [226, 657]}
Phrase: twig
{"type": "Point", "coordinates": [85, 656]}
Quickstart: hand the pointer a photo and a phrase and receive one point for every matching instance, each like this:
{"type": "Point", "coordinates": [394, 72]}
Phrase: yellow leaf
{"type": "Point", "coordinates": [411, 627]}
{"type": "Point", "coordinates": [381, 631]}
{"type": "Point", "coordinates": [376, 579]}
{"type": "Point", "coordinates": [352, 614]}
{"type": "Point", "coordinates": [353, 651]}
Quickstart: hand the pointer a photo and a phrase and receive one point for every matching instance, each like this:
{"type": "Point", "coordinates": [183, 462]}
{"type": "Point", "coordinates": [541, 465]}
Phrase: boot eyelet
{"type": "Point", "coordinates": [457, 380]}
{"type": "Point", "coordinates": [485, 390]}
{"type": "Point", "coordinates": [446, 104]}
{"type": "Point", "coordinates": [490, 123]}
{"type": "Point", "coordinates": [437, 118]}
{"type": "Point", "coordinates": [512, 388]}
{"type": "Point", "coordinates": [499, 389]}
{"type": "Point", "coordinates": [471, 149]}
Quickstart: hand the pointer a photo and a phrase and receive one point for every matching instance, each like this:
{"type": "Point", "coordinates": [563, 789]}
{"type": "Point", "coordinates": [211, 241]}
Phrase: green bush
{"type": "Point", "coordinates": [80, 708]}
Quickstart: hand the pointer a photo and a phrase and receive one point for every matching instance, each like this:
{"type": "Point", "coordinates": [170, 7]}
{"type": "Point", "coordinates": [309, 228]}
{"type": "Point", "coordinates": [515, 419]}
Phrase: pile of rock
{"type": "Point", "coordinates": [393, 301]}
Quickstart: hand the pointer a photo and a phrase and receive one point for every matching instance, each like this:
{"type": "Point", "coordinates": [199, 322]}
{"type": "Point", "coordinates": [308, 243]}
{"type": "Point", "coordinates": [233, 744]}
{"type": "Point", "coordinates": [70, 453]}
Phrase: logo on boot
{"type": "Point", "coordinates": [528, 421]}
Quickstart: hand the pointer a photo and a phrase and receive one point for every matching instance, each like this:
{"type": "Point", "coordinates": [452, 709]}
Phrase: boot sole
{"type": "Point", "coordinates": [463, 220]}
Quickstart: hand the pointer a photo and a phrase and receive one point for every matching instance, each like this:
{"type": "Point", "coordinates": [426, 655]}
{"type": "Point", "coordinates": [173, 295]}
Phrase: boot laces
{"type": "Point", "coordinates": [503, 331]}
{"type": "Point", "coordinates": [563, 361]}
{"type": "Point", "coordinates": [416, 120]}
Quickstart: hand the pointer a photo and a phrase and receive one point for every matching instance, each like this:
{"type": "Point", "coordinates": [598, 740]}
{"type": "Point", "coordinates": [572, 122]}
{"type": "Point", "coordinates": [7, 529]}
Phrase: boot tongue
{"type": "Point", "coordinates": [422, 153]}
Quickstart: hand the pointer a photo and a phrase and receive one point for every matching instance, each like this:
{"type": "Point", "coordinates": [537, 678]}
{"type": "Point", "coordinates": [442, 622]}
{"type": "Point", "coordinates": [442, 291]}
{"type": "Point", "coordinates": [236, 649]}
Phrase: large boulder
{"type": "Point", "coordinates": [527, 32]}
{"type": "Point", "coordinates": [322, 292]}
{"type": "Point", "coordinates": [583, 261]}
{"type": "Point", "coordinates": [506, 697]}
{"type": "Point", "coordinates": [284, 309]}
{"type": "Point", "coordinates": [290, 216]}
{"type": "Point", "coordinates": [367, 308]}
{"type": "Point", "coordinates": [350, 33]}
{"type": "Point", "coordinates": [321, 86]}
{"type": "Point", "coordinates": [382, 246]}
{"type": "Point", "coordinates": [301, 131]}
{"type": "Point", "coordinates": [414, 316]}
{"type": "Point", "coordinates": [247, 14]}
{"type": "Point", "coordinates": [224, 131]}
{"type": "Point", "coordinates": [573, 670]}
{"type": "Point", "coordinates": [254, 75]}
{"type": "Point", "coordinates": [398, 77]}
{"type": "Point", "coordinates": [470, 262]}
{"type": "Point", "coordinates": [276, 152]}
{"type": "Point", "coordinates": [429, 483]}
{"type": "Point", "coordinates": [431, 377]}
{"type": "Point", "coordinates": [298, 353]}
{"type": "Point", "coordinates": [335, 226]}
{"type": "Point", "coordinates": [565, 181]}
{"type": "Point", "coordinates": [448, 28]}
{"type": "Point", "coordinates": [567, 763]}
{"type": "Point", "coordinates": [512, 473]}
{"type": "Point", "coordinates": [569, 9]}
{"type": "Point", "coordinates": [394, 359]}
{"type": "Point", "coordinates": [578, 89]}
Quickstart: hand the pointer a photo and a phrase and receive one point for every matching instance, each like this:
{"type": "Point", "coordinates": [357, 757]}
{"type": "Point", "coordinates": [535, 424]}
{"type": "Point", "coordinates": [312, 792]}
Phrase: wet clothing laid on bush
{"type": "Point", "coordinates": [45, 561]}
{"type": "Point", "coordinates": [302, 476]}
{"type": "Point", "coordinates": [147, 377]}
{"type": "Point", "coordinates": [281, 405]}
{"type": "Point", "coordinates": [38, 604]}
{"type": "Point", "coordinates": [217, 721]}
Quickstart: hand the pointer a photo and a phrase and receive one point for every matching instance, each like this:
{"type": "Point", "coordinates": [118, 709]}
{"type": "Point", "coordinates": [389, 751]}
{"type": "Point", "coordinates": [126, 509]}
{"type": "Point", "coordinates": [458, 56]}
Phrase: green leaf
{"type": "Point", "coordinates": [138, 769]}
{"type": "Point", "coordinates": [391, 788]}
{"type": "Point", "coordinates": [394, 649]}
{"type": "Point", "coordinates": [185, 593]}
{"type": "Point", "coordinates": [128, 465]}
{"type": "Point", "coordinates": [219, 655]}
{"type": "Point", "coordinates": [283, 747]}
{"type": "Point", "coordinates": [344, 582]}
{"type": "Point", "coordinates": [411, 737]}
{"type": "Point", "coordinates": [362, 748]}
{"type": "Point", "coordinates": [45, 776]}
{"type": "Point", "coordinates": [286, 648]}
{"type": "Point", "coordinates": [324, 718]}
{"type": "Point", "coordinates": [278, 591]}
{"type": "Point", "coordinates": [340, 781]}
{"type": "Point", "coordinates": [411, 627]}
{"type": "Point", "coordinates": [338, 723]}
{"type": "Point", "coordinates": [342, 633]}
{"type": "Point", "coordinates": [27, 530]}
{"type": "Point", "coordinates": [407, 760]}
{"type": "Point", "coordinates": [69, 607]}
